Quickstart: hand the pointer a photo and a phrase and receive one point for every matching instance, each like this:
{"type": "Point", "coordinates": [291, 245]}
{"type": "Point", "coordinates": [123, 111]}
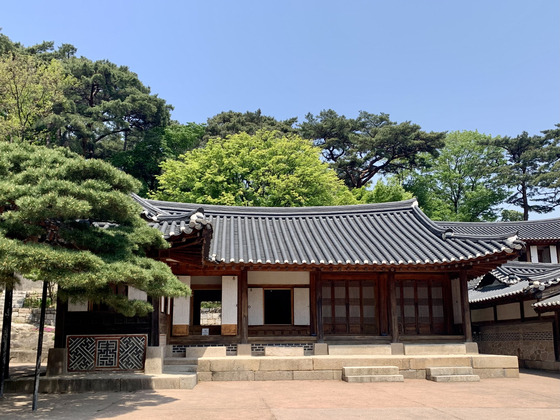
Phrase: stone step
{"type": "Point", "coordinates": [455, 378]}
{"type": "Point", "coordinates": [373, 378]}
{"type": "Point", "coordinates": [179, 368]}
{"type": "Point", "coordinates": [444, 371]}
{"type": "Point", "coordinates": [370, 370]}
{"type": "Point", "coordinates": [359, 349]}
{"type": "Point", "coordinates": [212, 351]}
{"type": "Point", "coordinates": [180, 361]}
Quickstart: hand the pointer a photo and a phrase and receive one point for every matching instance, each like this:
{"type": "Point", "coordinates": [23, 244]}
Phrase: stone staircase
{"type": "Point", "coordinates": [371, 374]}
{"type": "Point", "coordinates": [451, 374]}
{"type": "Point", "coordinates": [180, 365]}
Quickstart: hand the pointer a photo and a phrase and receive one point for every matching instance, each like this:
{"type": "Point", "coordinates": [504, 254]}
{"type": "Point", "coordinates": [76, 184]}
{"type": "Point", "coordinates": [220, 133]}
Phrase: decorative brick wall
{"type": "Point", "coordinates": [88, 353]}
{"type": "Point", "coordinates": [527, 341]}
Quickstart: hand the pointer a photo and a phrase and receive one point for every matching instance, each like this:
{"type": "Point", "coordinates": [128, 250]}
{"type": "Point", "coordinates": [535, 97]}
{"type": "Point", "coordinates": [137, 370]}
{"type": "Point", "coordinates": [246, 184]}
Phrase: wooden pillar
{"type": "Point", "coordinates": [465, 308]}
{"type": "Point", "coordinates": [393, 307]}
{"type": "Point", "coordinates": [60, 323]}
{"type": "Point", "coordinates": [312, 304]}
{"type": "Point", "coordinates": [382, 299]}
{"type": "Point", "coordinates": [243, 307]}
{"type": "Point", "coordinates": [153, 339]}
{"type": "Point", "coordinates": [319, 307]}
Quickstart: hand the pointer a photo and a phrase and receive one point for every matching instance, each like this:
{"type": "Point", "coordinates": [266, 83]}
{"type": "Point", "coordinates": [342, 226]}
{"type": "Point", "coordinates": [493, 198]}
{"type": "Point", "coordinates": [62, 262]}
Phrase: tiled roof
{"type": "Point", "coordinates": [547, 229]}
{"type": "Point", "coordinates": [515, 277]}
{"type": "Point", "coordinates": [553, 302]}
{"type": "Point", "coordinates": [387, 234]}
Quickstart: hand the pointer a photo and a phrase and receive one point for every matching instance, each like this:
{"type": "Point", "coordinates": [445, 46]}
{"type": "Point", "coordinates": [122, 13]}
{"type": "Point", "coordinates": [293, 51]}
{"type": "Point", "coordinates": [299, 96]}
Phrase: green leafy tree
{"type": "Point", "coordinates": [383, 192]}
{"type": "Point", "coordinates": [144, 160]}
{"type": "Point", "coordinates": [230, 122]}
{"type": "Point", "coordinates": [549, 179]}
{"type": "Point", "coordinates": [529, 160]}
{"type": "Point", "coordinates": [358, 149]}
{"type": "Point", "coordinates": [462, 183]}
{"type": "Point", "coordinates": [264, 169]}
{"type": "Point", "coordinates": [30, 89]}
{"type": "Point", "coordinates": [511, 216]}
{"type": "Point", "coordinates": [70, 221]}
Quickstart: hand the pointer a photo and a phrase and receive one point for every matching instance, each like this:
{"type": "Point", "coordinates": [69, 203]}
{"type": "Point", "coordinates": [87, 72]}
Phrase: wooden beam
{"type": "Point", "coordinates": [466, 311]}
{"type": "Point", "coordinates": [393, 307]}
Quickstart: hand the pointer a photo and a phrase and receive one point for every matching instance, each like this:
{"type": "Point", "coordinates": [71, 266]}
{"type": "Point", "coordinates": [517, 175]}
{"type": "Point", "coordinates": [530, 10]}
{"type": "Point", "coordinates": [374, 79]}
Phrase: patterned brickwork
{"type": "Point", "coordinates": [111, 352]}
{"type": "Point", "coordinates": [256, 349]}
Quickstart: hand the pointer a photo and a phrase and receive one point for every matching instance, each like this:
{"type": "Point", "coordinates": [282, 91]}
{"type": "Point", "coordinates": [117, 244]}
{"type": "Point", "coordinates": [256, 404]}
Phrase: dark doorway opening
{"type": "Point", "coordinates": [278, 306]}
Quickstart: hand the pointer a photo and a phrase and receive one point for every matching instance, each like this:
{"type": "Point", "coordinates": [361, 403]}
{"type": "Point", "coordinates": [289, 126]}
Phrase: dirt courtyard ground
{"type": "Point", "coordinates": [534, 395]}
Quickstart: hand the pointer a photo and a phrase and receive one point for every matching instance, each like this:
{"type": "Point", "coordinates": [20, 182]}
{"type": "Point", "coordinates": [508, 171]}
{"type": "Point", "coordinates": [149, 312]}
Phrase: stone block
{"type": "Point", "coordinates": [397, 349]}
{"type": "Point", "coordinates": [494, 361]}
{"type": "Point", "coordinates": [471, 348]}
{"type": "Point", "coordinates": [56, 363]}
{"type": "Point", "coordinates": [419, 362]}
{"type": "Point", "coordinates": [283, 351]}
{"type": "Point", "coordinates": [320, 349]}
{"type": "Point", "coordinates": [316, 375]}
{"type": "Point", "coordinates": [233, 364]}
{"type": "Point", "coordinates": [241, 375]}
{"type": "Point", "coordinates": [291, 363]}
{"type": "Point", "coordinates": [373, 378]}
{"type": "Point", "coordinates": [497, 373]}
{"type": "Point", "coordinates": [203, 365]}
{"type": "Point", "coordinates": [244, 350]}
{"type": "Point", "coordinates": [274, 375]}
{"type": "Point", "coordinates": [154, 360]}
{"type": "Point", "coordinates": [413, 374]}
{"type": "Point", "coordinates": [212, 351]}
{"type": "Point", "coordinates": [369, 370]}
{"type": "Point", "coordinates": [338, 362]}
{"type": "Point", "coordinates": [359, 350]}
{"type": "Point", "coordinates": [204, 376]}
{"type": "Point", "coordinates": [434, 349]}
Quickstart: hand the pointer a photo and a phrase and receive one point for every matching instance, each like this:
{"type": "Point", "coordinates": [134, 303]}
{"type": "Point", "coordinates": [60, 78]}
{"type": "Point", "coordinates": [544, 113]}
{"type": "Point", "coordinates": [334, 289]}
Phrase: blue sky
{"type": "Point", "coordinates": [491, 66]}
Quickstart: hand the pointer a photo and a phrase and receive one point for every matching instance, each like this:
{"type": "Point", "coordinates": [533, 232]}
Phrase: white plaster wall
{"type": "Point", "coordinates": [275, 277]}
{"type": "Point", "coordinates": [534, 254]}
{"type": "Point", "coordinates": [77, 306]}
{"type": "Point", "coordinates": [182, 305]}
{"type": "Point", "coordinates": [456, 297]}
{"type": "Point", "coordinates": [480, 315]}
{"type": "Point", "coordinates": [256, 306]}
{"type": "Point", "coordinates": [301, 306]}
{"type": "Point", "coordinates": [553, 254]}
{"type": "Point", "coordinates": [528, 309]}
{"type": "Point", "coordinates": [229, 300]}
{"type": "Point", "coordinates": [135, 294]}
{"type": "Point", "coordinates": [508, 311]}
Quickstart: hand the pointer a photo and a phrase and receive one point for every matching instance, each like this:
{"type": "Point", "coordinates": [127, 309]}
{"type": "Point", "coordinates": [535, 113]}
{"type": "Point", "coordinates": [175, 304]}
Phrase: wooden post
{"type": "Point", "coordinates": [319, 307]}
{"type": "Point", "coordinates": [312, 304]}
{"type": "Point", "coordinates": [465, 308]}
{"type": "Point", "coordinates": [382, 301]}
{"type": "Point", "coordinates": [153, 339]}
{"type": "Point", "coordinates": [243, 307]}
{"type": "Point", "coordinates": [393, 307]}
{"type": "Point", "coordinates": [4, 347]}
{"type": "Point", "coordinates": [39, 347]}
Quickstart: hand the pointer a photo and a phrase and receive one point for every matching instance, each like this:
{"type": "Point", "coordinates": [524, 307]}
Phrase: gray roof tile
{"type": "Point", "coordinates": [361, 235]}
{"type": "Point", "coordinates": [547, 229]}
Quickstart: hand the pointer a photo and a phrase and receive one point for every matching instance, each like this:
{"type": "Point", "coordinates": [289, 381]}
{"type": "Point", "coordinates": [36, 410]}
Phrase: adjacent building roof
{"type": "Point", "coordinates": [552, 303]}
{"type": "Point", "coordinates": [388, 234]}
{"type": "Point", "coordinates": [532, 230]}
{"type": "Point", "coordinates": [514, 278]}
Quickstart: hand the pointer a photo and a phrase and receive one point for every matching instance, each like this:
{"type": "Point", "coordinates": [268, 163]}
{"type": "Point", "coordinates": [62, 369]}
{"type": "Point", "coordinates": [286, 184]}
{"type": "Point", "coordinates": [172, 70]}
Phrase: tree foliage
{"type": "Point", "coordinates": [529, 163]}
{"type": "Point", "coordinates": [29, 91]}
{"type": "Point", "coordinates": [360, 148]}
{"type": "Point", "coordinates": [264, 169]}
{"type": "Point", "coordinates": [231, 122]}
{"type": "Point", "coordinates": [383, 192]}
{"type": "Point", "coordinates": [462, 182]}
{"type": "Point", "coordinates": [71, 221]}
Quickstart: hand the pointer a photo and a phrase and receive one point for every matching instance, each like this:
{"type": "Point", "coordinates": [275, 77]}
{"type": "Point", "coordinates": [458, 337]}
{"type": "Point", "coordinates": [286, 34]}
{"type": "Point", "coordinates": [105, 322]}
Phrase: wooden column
{"type": "Point", "coordinates": [319, 307]}
{"type": "Point", "coordinates": [153, 339]}
{"type": "Point", "coordinates": [465, 308]}
{"type": "Point", "coordinates": [382, 300]}
{"type": "Point", "coordinates": [243, 307]}
{"type": "Point", "coordinates": [312, 304]}
{"type": "Point", "coordinates": [393, 307]}
{"type": "Point", "coordinates": [60, 323]}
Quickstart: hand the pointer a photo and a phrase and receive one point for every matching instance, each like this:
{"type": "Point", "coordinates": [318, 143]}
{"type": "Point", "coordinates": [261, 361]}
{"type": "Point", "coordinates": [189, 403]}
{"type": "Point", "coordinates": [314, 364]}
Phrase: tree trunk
{"type": "Point", "coordinates": [40, 346]}
{"type": "Point", "coordinates": [5, 346]}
